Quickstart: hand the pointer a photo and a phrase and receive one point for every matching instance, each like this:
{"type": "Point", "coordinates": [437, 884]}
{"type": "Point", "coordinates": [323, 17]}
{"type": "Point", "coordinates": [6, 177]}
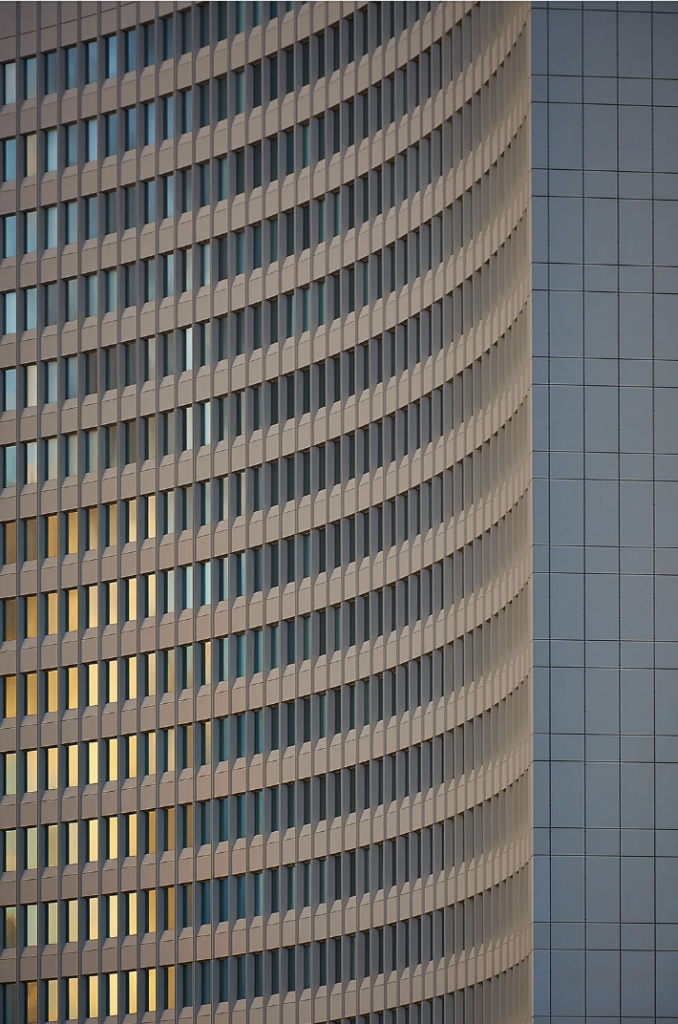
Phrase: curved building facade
{"type": "Point", "coordinates": [266, 439]}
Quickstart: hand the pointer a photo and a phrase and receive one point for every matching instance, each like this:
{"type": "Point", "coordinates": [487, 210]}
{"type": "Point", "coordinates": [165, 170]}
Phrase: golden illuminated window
{"type": "Point", "coordinates": [30, 539]}
{"type": "Point", "coordinates": [31, 615]}
{"type": "Point", "coordinates": [52, 687]}
{"type": "Point", "coordinates": [131, 835]}
{"type": "Point", "coordinates": [92, 539]}
{"type": "Point", "coordinates": [32, 986]}
{"type": "Point", "coordinates": [71, 533]}
{"type": "Point", "coordinates": [170, 987]}
{"type": "Point", "coordinates": [111, 669]}
{"type": "Point", "coordinates": [8, 624]}
{"type": "Point", "coordinates": [51, 534]}
{"type": "Point", "coordinates": [72, 843]}
{"type": "Point", "coordinates": [10, 849]}
{"type": "Point", "coordinates": [131, 676]}
{"type": "Point", "coordinates": [112, 838]}
{"type": "Point", "coordinates": [132, 913]}
{"type": "Point", "coordinates": [52, 991]}
{"type": "Point", "coordinates": [93, 840]}
{"type": "Point", "coordinates": [52, 999]}
{"type": "Point", "coordinates": [9, 543]}
{"type": "Point", "coordinates": [93, 995]}
{"type": "Point", "coordinates": [52, 768]}
{"type": "Point", "coordinates": [71, 920]}
{"type": "Point", "coordinates": [131, 599]}
{"type": "Point", "coordinates": [93, 917]}
{"type": "Point", "coordinates": [151, 663]}
{"type": "Point", "coordinates": [32, 847]}
{"type": "Point", "coordinates": [52, 923]}
{"type": "Point", "coordinates": [132, 757]}
{"type": "Point", "coordinates": [131, 520]}
{"type": "Point", "coordinates": [52, 846]}
{"type": "Point", "coordinates": [92, 762]}
{"type": "Point", "coordinates": [112, 603]}
{"type": "Point", "coordinates": [31, 771]}
{"type": "Point", "coordinates": [72, 688]}
{"type": "Point", "coordinates": [72, 610]}
{"type": "Point", "coordinates": [112, 983]}
{"type": "Point", "coordinates": [31, 693]}
{"type": "Point", "coordinates": [151, 910]}
{"type": "Point", "coordinates": [9, 774]}
{"type": "Point", "coordinates": [9, 697]}
{"type": "Point", "coordinates": [150, 516]}
{"type": "Point", "coordinates": [52, 614]}
{"type": "Point", "coordinates": [151, 989]}
{"type": "Point", "coordinates": [92, 607]}
{"type": "Point", "coordinates": [112, 759]}
{"type": "Point", "coordinates": [132, 989]}
{"type": "Point", "coordinates": [72, 764]}
{"type": "Point", "coordinates": [92, 685]}
{"type": "Point", "coordinates": [72, 1002]}
{"type": "Point", "coordinates": [112, 917]}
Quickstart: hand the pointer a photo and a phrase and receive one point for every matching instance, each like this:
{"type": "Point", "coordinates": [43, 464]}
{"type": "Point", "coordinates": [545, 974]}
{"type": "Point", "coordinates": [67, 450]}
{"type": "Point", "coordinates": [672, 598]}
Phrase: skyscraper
{"type": "Point", "coordinates": [338, 522]}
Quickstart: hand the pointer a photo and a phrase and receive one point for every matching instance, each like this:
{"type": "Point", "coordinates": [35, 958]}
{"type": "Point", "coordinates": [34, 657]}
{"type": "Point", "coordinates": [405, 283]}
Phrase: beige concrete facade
{"type": "Point", "coordinates": [324, 457]}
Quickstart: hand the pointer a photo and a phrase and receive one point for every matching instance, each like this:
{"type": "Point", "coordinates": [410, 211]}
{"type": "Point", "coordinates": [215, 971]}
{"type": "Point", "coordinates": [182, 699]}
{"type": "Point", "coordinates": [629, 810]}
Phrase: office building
{"type": "Point", "coordinates": [337, 512]}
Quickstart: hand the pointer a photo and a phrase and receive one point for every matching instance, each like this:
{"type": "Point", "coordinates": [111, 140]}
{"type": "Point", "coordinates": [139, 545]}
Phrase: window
{"type": "Point", "coordinates": [90, 283]}
{"type": "Point", "coordinates": [289, 70]}
{"type": "Point", "coordinates": [239, 81]}
{"type": "Point", "coordinates": [30, 308]}
{"type": "Point", "coordinates": [9, 312]}
{"type": "Point", "coordinates": [203, 105]}
{"type": "Point", "coordinates": [9, 159]}
{"type": "Point", "coordinates": [70, 67]}
{"type": "Point", "coordinates": [289, 151]}
{"type": "Point", "coordinates": [111, 56]}
{"type": "Point", "coordinates": [91, 61]}
{"type": "Point", "coordinates": [129, 207]}
{"type": "Point", "coordinates": [167, 117]}
{"type": "Point", "coordinates": [239, 172]}
{"type": "Point", "coordinates": [272, 78]}
{"type": "Point", "coordinates": [186, 111]}
{"type": "Point", "coordinates": [130, 50]}
{"type": "Point", "coordinates": [8, 83]}
{"type": "Point", "coordinates": [50, 73]}
{"type": "Point", "coordinates": [110, 290]}
{"type": "Point", "coordinates": [256, 246]}
{"type": "Point", "coordinates": [30, 78]}
{"type": "Point", "coordinates": [71, 299]}
{"type": "Point", "coordinates": [149, 201]}
{"type": "Point", "coordinates": [71, 145]}
{"type": "Point", "coordinates": [71, 222]}
{"type": "Point", "coordinates": [91, 217]}
{"type": "Point", "coordinates": [149, 44]}
{"type": "Point", "coordinates": [305, 145]}
{"type": "Point", "coordinates": [149, 123]}
{"type": "Point", "coordinates": [50, 298]}
{"type": "Point", "coordinates": [30, 231]}
{"type": "Point", "coordinates": [50, 142]}
{"type": "Point", "coordinates": [111, 134]}
{"type": "Point", "coordinates": [90, 139]}
{"type": "Point", "coordinates": [130, 128]}
{"type": "Point", "coordinates": [222, 98]}
{"type": "Point", "coordinates": [255, 151]}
